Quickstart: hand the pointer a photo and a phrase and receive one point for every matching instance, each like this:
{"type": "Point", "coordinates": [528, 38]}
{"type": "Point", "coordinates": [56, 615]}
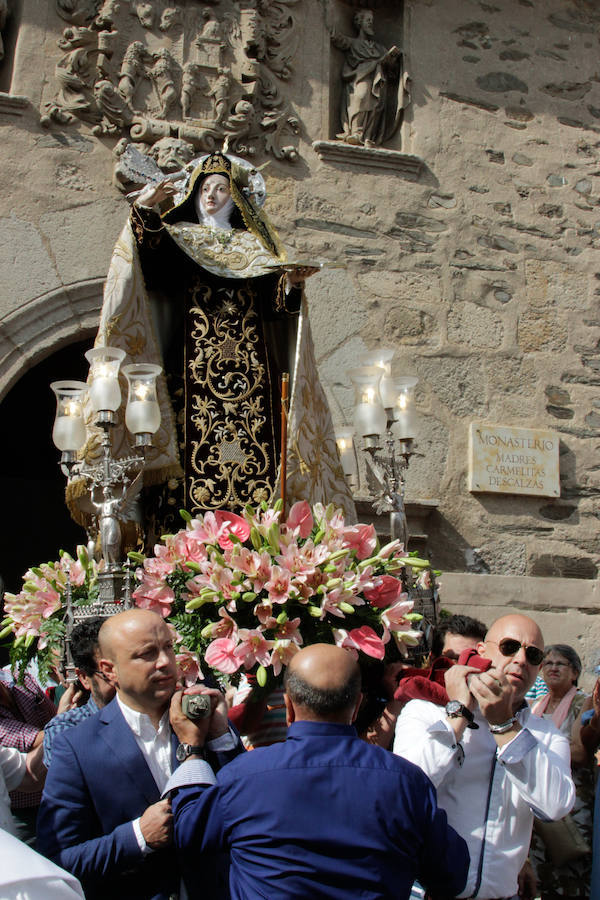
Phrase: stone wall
{"type": "Point", "coordinates": [474, 254]}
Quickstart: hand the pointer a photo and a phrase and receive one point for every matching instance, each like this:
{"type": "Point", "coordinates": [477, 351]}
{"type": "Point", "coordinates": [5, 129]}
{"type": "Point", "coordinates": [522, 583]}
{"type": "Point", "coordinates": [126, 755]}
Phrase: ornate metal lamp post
{"type": "Point", "coordinates": [384, 419]}
{"type": "Point", "coordinates": [112, 484]}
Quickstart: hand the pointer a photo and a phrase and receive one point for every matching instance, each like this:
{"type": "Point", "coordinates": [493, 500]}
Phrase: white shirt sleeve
{"type": "Point", "coordinates": [14, 766]}
{"type": "Point", "coordinates": [424, 737]}
{"type": "Point", "coordinates": [539, 766]}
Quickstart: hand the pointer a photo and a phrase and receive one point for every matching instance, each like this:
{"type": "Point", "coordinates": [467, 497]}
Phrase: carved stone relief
{"type": "Point", "coordinates": [201, 73]}
{"type": "Point", "coordinates": [374, 85]}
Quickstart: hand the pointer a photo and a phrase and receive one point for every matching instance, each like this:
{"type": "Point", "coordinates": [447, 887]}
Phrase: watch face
{"type": "Point", "coordinates": [454, 708]}
{"type": "Point", "coordinates": [182, 752]}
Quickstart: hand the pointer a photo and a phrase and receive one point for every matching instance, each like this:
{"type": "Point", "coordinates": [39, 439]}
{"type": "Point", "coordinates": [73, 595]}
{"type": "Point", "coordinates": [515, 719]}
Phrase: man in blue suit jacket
{"type": "Point", "coordinates": [101, 816]}
{"type": "Point", "coordinates": [323, 815]}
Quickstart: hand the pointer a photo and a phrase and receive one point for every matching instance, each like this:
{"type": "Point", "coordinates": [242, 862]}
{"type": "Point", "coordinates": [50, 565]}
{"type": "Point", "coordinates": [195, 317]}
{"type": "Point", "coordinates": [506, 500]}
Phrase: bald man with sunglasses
{"type": "Point", "coordinates": [494, 764]}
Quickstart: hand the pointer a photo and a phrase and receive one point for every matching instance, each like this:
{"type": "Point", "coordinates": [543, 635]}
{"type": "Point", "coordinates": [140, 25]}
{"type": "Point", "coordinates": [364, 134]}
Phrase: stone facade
{"type": "Point", "coordinates": [469, 238]}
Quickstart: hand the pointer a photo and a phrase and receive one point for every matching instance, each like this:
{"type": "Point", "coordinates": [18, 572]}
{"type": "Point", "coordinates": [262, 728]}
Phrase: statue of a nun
{"type": "Point", "coordinates": [203, 289]}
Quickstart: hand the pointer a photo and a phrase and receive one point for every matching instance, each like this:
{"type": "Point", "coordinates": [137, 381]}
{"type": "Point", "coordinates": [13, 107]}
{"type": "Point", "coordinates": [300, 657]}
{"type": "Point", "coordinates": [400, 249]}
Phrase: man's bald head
{"type": "Point", "coordinates": [118, 628]}
{"type": "Point", "coordinates": [516, 625]}
{"type": "Point", "coordinates": [322, 683]}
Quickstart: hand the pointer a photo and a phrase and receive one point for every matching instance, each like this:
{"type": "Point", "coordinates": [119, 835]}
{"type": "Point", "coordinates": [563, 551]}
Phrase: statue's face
{"type": "Point", "coordinates": [366, 22]}
{"type": "Point", "coordinates": [172, 153]}
{"type": "Point", "coordinates": [214, 193]}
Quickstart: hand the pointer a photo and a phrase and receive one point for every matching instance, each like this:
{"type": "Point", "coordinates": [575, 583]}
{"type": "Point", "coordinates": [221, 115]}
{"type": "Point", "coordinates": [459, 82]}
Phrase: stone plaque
{"type": "Point", "coordinates": [509, 460]}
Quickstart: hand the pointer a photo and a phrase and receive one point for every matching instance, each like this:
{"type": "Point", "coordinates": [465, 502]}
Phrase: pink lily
{"type": "Point", "coordinates": [278, 586]}
{"type": "Point", "coordinates": [154, 594]}
{"type": "Point", "coordinates": [253, 647]}
{"type": "Point", "coordinates": [283, 652]}
{"type": "Point", "coordinates": [289, 630]}
{"type": "Point", "coordinates": [362, 539]}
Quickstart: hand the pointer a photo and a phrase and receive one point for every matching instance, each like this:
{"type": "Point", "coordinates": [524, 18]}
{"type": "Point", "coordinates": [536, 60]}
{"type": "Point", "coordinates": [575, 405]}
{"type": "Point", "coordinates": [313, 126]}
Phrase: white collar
{"type": "Point", "coordinates": [140, 723]}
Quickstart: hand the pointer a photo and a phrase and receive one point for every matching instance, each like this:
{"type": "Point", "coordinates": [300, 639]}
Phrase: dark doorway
{"type": "Point", "coordinates": [35, 521]}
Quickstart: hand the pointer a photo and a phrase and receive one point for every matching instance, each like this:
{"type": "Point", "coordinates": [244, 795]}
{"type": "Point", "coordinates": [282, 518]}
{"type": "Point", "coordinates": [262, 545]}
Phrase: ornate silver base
{"type": "Point", "coordinates": [114, 592]}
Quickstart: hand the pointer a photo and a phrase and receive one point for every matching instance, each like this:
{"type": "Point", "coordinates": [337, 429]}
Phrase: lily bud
{"type": "Point", "coordinates": [136, 557]}
{"type": "Point", "coordinates": [273, 535]}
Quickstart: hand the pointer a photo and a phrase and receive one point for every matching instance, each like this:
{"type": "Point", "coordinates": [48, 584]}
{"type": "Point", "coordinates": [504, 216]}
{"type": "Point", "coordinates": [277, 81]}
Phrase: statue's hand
{"type": "Point", "coordinates": [297, 276]}
{"type": "Point", "coordinates": [156, 194]}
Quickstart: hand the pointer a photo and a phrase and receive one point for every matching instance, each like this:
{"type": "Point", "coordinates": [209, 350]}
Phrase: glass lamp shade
{"type": "Point", "coordinates": [382, 359]}
{"type": "Point", "coordinates": [69, 431]}
{"type": "Point", "coordinates": [142, 414]}
{"type": "Point", "coordinates": [404, 407]}
{"type": "Point", "coordinates": [105, 392]}
{"type": "Point", "coordinates": [369, 414]}
{"type": "Point", "coordinates": [343, 439]}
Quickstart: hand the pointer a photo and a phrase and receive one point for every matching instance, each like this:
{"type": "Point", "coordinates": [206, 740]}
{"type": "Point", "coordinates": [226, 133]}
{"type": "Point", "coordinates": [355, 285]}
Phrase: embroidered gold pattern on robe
{"type": "Point", "coordinates": [230, 431]}
{"type": "Point", "coordinates": [228, 254]}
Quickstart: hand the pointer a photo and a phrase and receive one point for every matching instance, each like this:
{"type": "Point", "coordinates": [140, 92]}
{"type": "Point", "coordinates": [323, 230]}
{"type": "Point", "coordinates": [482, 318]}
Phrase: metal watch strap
{"type": "Point", "coordinates": [504, 726]}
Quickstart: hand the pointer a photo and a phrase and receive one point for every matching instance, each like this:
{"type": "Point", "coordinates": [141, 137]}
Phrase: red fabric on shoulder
{"type": "Point", "coordinates": [472, 658]}
{"type": "Point", "coordinates": [425, 684]}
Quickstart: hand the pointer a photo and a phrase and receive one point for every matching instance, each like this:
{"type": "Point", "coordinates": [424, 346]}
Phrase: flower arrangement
{"type": "Point", "coordinates": [246, 592]}
{"type": "Point", "coordinates": [36, 615]}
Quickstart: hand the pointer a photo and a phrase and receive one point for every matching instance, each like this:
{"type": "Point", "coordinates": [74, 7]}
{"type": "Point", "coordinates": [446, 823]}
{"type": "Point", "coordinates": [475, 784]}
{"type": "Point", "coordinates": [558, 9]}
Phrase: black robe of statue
{"type": "Point", "coordinates": [224, 345]}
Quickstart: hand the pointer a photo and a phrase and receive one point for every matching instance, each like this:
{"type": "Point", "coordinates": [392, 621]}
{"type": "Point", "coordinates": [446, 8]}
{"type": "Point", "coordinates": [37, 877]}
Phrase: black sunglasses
{"type": "Point", "coordinates": [510, 647]}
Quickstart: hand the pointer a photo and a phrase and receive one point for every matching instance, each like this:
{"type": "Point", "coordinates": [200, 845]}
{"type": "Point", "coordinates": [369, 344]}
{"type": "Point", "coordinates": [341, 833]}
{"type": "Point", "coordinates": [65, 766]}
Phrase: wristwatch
{"type": "Point", "coordinates": [185, 750]}
{"type": "Point", "coordinates": [504, 726]}
{"type": "Point", "coordinates": [456, 710]}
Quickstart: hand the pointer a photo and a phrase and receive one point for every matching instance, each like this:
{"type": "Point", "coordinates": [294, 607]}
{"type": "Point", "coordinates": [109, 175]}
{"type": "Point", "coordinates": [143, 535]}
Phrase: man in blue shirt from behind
{"type": "Point", "coordinates": [323, 815]}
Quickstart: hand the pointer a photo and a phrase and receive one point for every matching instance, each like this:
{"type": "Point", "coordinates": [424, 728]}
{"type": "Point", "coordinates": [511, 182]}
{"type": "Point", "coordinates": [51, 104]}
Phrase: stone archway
{"type": "Point", "coordinates": [42, 342]}
{"type": "Point", "coordinates": [45, 324]}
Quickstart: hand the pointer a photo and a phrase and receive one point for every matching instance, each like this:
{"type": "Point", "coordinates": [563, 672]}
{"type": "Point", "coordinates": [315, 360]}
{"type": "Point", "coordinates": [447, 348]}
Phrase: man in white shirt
{"type": "Point", "coordinates": [494, 764]}
{"type": "Point", "coordinates": [101, 816]}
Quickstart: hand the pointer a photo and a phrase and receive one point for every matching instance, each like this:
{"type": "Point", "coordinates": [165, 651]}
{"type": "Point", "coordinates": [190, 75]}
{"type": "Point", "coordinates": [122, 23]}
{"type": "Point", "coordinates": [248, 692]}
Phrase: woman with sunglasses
{"type": "Point", "coordinates": [562, 705]}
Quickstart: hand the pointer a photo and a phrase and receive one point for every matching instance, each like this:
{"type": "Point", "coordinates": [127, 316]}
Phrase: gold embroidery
{"type": "Point", "coordinates": [243, 256]}
{"type": "Point", "coordinates": [229, 422]}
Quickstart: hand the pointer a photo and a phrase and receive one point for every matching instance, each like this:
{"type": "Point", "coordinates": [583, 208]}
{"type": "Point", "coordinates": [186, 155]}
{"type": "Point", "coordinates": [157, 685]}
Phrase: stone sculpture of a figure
{"type": "Point", "coordinates": [374, 91]}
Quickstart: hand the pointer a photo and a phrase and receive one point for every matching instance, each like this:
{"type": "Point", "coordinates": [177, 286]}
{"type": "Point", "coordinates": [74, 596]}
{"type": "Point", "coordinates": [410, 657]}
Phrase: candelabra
{"type": "Point", "coordinates": [384, 419]}
{"type": "Point", "coordinates": [112, 485]}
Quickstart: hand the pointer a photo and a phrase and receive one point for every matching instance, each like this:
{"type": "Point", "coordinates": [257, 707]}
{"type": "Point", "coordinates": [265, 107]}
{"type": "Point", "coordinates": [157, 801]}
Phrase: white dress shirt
{"type": "Point", "coordinates": [490, 794]}
{"type": "Point", "coordinates": [13, 765]}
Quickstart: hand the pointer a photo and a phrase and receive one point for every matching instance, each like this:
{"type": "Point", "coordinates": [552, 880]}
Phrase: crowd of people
{"type": "Point", "coordinates": [428, 787]}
